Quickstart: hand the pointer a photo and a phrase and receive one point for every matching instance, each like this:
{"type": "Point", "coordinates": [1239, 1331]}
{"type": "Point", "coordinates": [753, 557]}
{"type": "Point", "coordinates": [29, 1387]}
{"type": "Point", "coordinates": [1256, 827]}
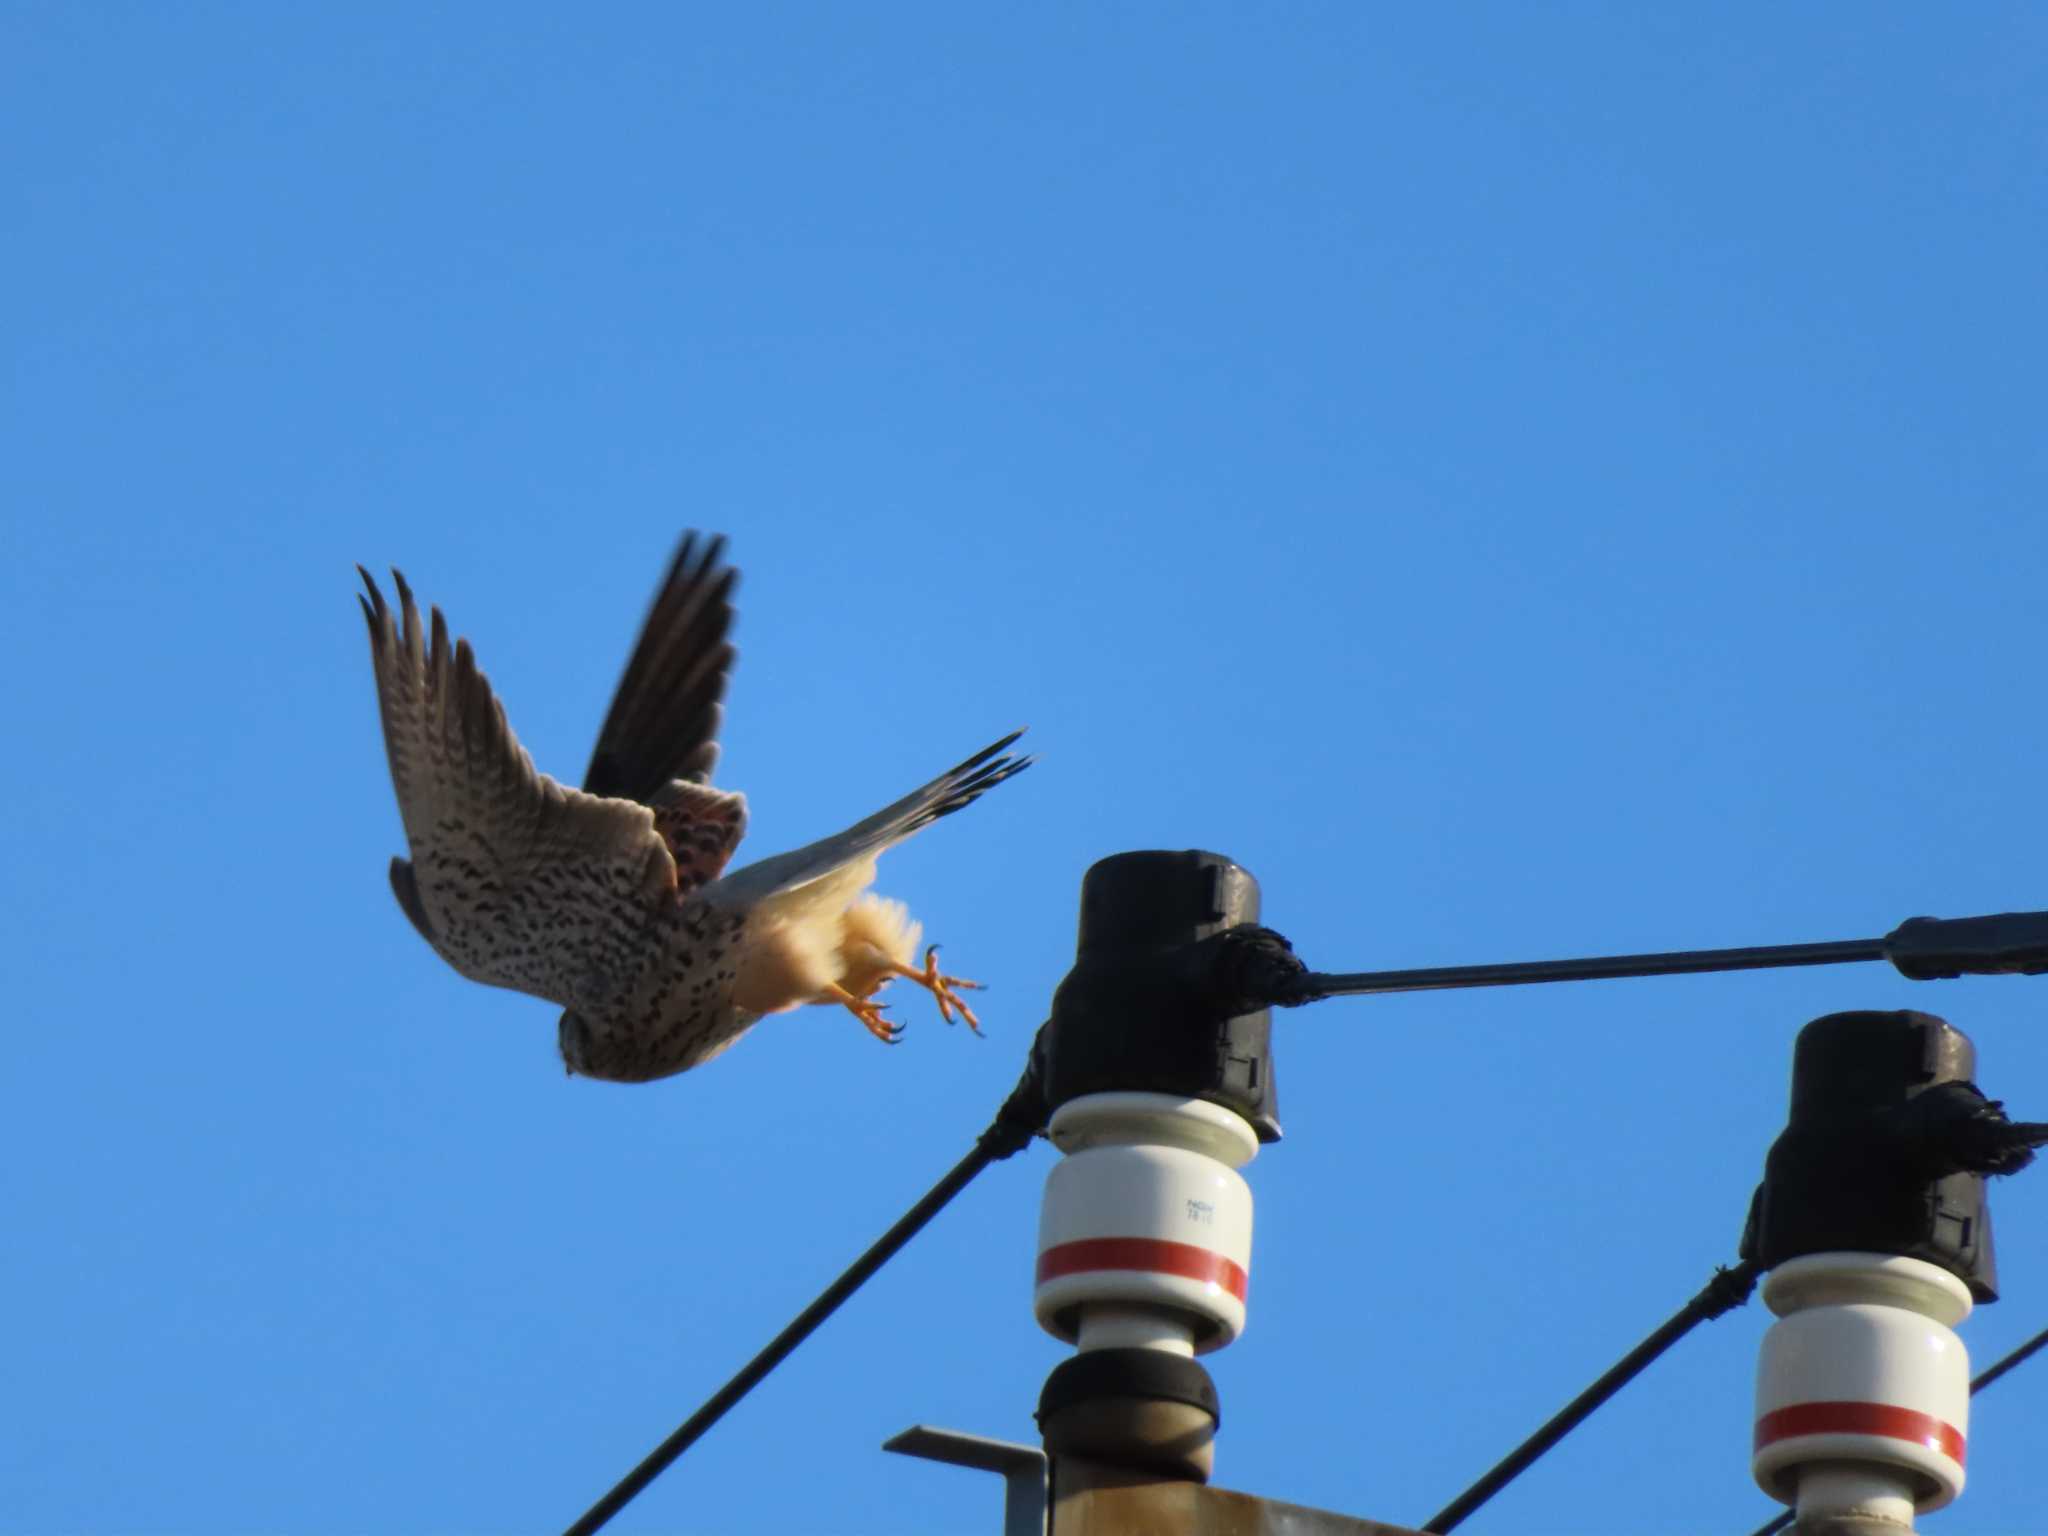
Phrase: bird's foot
{"type": "Point", "coordinates": [869, 1012]}
{"type": "Point", "coordinates": [942, 988]}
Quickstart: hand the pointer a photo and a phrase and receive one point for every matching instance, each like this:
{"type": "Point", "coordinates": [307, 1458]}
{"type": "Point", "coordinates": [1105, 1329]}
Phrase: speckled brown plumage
{"type": "Point", "coordinates": [611, 900]}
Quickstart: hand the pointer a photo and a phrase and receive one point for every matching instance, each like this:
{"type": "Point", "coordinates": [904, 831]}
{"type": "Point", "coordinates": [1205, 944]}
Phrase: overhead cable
{"type": "Point", "coordinates": [1729, 1288]}
{"type": "Point", "coordinates": [1921, 949]}
{"type": "Point", "coordinates": [1011, 1131]}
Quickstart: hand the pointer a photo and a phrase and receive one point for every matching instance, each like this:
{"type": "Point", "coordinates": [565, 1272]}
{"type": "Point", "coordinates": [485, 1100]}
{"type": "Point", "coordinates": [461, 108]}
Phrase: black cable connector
{"type": "Point", "coordinates": [1728, 1289]}
{"type": "Point", "coordinates": [1938, 948]}
{"type": "Point", "coordinates": [1020, 1119]}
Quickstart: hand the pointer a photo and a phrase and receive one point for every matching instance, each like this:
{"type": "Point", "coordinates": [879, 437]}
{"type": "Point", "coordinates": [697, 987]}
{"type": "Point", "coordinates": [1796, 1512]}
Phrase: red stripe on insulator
{"type": "Point", "coordinates": [1147, 1254]}
{"type": "Point", "coordinates": [1860, 1419]}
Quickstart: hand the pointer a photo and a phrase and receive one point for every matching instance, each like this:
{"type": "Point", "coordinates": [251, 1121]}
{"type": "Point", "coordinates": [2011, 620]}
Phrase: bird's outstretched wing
{"type": "Point", "coordinates": [659, 742]}
{"type": "Point", "coordinates": [516, 880]}
{"type": "Point", "coordinates": [663, 723]}
{"type": "Point", "coordinates": [950, 791]}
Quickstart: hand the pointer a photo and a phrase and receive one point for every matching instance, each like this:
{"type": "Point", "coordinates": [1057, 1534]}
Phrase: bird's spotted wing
{"type": "Point", "coordinates": [517, 881]}
{"type": "Point", "coordinates": [663, 723]}
{"type": "Point", "coordinates": [957, 787]}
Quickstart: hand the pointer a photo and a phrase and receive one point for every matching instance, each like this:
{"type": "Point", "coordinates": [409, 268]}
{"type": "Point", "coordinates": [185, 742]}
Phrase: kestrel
{"type": "Point", "coordinates": [611, 900]}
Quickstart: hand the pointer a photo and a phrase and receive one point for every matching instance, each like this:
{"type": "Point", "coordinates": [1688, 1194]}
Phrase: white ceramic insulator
{"type": "Point", "coordinates": [1859, 1490]}
{"type": "Point", "coordinates": [1863, 1388]}
{"type": "Point", "coordinates": [1105, 1325]}
{"type": "Point", "coordinates": [1146, 1211]}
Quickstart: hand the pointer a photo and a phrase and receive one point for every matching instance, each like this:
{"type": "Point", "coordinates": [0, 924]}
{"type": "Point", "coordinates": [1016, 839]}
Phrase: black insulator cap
{"type": "Point", "coordinates": [1139, 1409]}
{"type": "Point", "coordinates": [1149, 1374]}
{"type": "Point", "coordinates": [1160, 996]}
{"type": "Point", "coordinates": [1862, 1166]}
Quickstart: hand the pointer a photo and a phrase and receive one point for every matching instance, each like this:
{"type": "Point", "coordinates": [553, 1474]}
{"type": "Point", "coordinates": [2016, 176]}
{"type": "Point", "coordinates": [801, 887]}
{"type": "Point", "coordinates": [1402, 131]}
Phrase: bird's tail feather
{"type": "Point", "coordinates": [956, 788]}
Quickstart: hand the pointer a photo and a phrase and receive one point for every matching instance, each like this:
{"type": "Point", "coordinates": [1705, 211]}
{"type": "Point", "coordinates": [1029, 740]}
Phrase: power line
{"type": "Point", "coordinates": [1920, 948]}
{"type": "Point", "coordinates": [2016, 1358]}
{"type": "Point", "coordinates": [783, 1344]}
{"type": "Point", "coordinates": [1728, 1289]}
{"type": "Point", "coordinates": [1316, 985]}
{"type": "Point", "coordinates": [1015, 1124]}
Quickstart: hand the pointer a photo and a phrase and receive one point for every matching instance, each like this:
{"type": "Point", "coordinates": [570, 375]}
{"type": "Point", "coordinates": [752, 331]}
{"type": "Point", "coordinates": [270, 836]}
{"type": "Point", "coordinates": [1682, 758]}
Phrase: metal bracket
{"type": "Point", "coordinates": [1023, 1468]}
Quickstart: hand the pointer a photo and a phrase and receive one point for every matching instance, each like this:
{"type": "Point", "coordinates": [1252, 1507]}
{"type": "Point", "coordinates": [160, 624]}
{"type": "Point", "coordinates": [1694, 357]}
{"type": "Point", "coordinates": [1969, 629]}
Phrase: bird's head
{"type": "Point", "coordinates": [572, 1035]}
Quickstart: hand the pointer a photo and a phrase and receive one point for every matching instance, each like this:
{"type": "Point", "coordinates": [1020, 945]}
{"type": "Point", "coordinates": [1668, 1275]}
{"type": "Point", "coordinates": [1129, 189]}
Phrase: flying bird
{"type": "Point", "coordinates": [612, 900]}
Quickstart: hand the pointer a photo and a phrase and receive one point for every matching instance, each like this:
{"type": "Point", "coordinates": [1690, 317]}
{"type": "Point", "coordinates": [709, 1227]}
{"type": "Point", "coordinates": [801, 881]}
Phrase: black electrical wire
{"type": "Point", "coordinates": [1315, 985]}
{"type": "Point", "coordinates": [2008, 1362]}
{"type": "Point", "coordinates": [1020, 1118]}
{"type": "Point", "coordinates": [780, 1347]}
{"type": "Point", "coordinates": [1728, 1289]}
{"type": "Point", "coordinates": [2011, 1361]}
{"type": "Point", "coordinates": [1921, 948]}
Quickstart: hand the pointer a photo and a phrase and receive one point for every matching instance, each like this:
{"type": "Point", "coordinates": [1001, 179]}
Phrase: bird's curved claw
{"type": "Point", "coordinates": [943, 988]}
{"type": "Point", "coordinates": [869, 1012]}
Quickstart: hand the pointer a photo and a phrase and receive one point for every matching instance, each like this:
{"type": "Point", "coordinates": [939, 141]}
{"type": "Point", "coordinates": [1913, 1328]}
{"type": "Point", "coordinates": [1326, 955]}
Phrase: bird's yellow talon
{"type": "Point", "coordinates": [869, 1012]}
{"type": "Point", "coordinates": [943, 988]}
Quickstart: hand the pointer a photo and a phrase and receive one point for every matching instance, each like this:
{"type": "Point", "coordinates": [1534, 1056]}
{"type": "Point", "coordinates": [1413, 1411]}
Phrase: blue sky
{"type": "Point", "coordinates": [1525, 481]}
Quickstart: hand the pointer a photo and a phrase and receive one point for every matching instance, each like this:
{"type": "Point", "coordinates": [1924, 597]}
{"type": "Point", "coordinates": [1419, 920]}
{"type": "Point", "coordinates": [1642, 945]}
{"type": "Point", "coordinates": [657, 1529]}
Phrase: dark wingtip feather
{"type": "Point", "coordinates": [405, 886]}
{"type": "Point", "coordinates": [375, 602]}
{"type": "Point", "coordinates": [983, 755]}
{"type": "Point", "coordinates": [973, 779]}
{"type": "Point", "coordinates": [665, 712]}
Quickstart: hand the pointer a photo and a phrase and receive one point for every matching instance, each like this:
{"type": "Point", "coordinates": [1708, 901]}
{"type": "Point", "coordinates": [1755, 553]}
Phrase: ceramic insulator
{"type": "Point", "coordinates": [1862, 1384]}
{"type": "Point", "coordinates": [1146, 1211]}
